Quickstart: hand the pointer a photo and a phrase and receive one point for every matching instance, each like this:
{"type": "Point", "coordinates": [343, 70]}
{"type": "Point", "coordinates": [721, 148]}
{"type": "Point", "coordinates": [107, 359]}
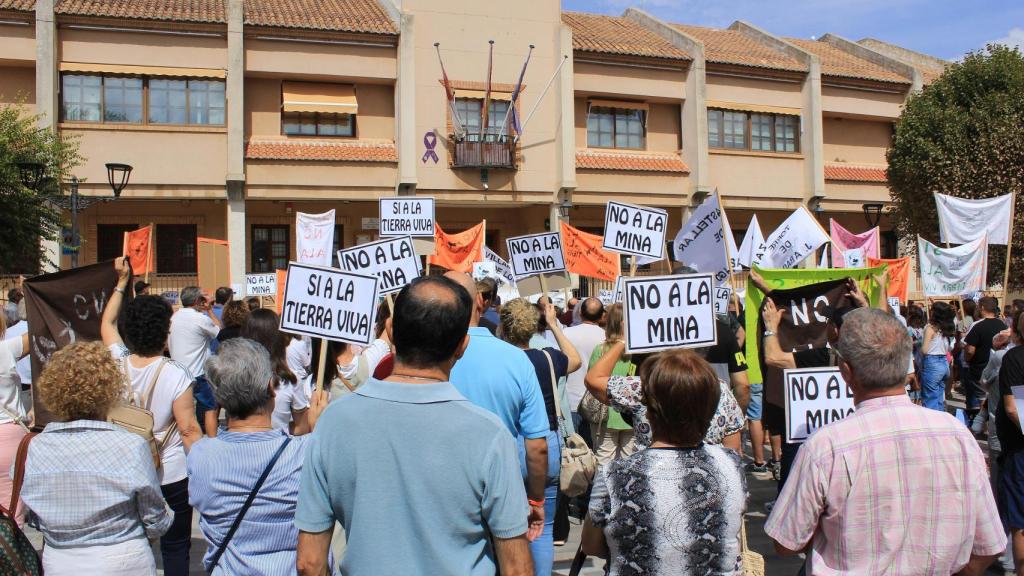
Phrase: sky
{"type": "Point", "coordinates": [943, 28]}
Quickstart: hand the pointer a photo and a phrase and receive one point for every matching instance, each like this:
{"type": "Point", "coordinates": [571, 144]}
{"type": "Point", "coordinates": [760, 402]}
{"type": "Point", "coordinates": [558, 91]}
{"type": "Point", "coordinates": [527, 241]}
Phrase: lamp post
{"type": "Point", "coordinates": [872, 213]}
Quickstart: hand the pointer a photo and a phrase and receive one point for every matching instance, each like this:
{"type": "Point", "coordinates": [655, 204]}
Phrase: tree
{"type": "Point", "coordinates": [27, 215]}
{"type": "Point", "coordinates": [963, 135]}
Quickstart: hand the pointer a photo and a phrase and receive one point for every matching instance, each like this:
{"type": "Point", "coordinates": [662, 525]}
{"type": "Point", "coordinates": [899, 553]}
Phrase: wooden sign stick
{"type": "Point", "coordinates": [632, 266]}
{"type": "Point", "coordinates": [322, 366]}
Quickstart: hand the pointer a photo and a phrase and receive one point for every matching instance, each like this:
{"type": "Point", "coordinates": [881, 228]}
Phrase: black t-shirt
{"type": "Point", "coordinates": [485, 323]}
{"type": "Point", "coordinates": [1010, 374]}
{"type": "Point", "coordinates": [726, 356]}
{"type": "Point", "coordinates": [229, 333]}
{"type": "Point", "coordinates": [540, 365]}
{"type": "Point", "coordinates": [980, 336]}
{"type": "Point", "coordinates": [813, 358]}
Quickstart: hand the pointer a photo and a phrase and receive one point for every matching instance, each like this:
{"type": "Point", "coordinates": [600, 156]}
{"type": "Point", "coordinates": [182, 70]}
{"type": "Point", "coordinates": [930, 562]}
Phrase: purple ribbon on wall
{"type": "Point", "coordinates": [430, 141]}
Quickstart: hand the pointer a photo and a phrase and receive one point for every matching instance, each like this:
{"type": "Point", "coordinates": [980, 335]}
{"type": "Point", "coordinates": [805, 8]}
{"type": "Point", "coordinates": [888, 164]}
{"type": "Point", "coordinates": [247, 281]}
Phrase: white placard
{"type": "Point", "coordinates": [485, 269]}
{"type": "Point", "coordinates": [665, 312]}
{"type": "Point", "coordinates": [815, 397]}
{"type": "Point", "coordinates": [329, 303]}
{"type": "Point", "coordinates": [407, 216]}
{"type": "Point", "coordinates": [314, 237]}
{"type": "Point", "coordinates": [635, 230]}
{"type": "Point", "coordinates": [619, 296]}
{"type": "Point", "coordinates": [535, 254]}
{"type": "Point", "coordinates": [607, 297]}
{"type": "Point", "coordinates": [799, 236]}
{"type": "Point", "coordinates": [894, 303]}
{"type": "Point", "coordinates": [722, 294]}
{"type": "Point", "coordinates": [853, 258]}
{"type": "Point", "coordinates": [393, 261]}
{"type": "Point", "coordinates": [504, 270]}
{"type": "Point", "coordinates": [261, 284]}
{"type": "Point", "coordinates": [704, 241]}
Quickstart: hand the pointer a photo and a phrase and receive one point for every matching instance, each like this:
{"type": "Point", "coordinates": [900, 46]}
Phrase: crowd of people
{"type": "Point", "coordinates": [438, 448]}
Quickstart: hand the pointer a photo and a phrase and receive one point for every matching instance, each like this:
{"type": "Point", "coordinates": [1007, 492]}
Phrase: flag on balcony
{"type": "Point", "coordinates": [138, 247]}
{"type": "Point", "coordinates": [458, 251]}
{"type": "Point", "coordinates": [899, 275]}
{"type": "Point", "coordinates": [515, 94]}
{"type": "Point", "coordinates": [585, 256]}
{"type": "Point", "coordinates": [843, 240]}
{"type": "Point", "coordinates": [449, 93]}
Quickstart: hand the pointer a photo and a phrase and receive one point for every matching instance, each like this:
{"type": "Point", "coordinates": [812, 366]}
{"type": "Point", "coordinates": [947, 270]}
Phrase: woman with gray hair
{"type": "Point", "coordinates": [248, 470]}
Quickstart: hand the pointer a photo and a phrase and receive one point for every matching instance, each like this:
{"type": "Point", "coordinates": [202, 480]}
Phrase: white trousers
{"type": "Point", "coordinates": [131, 558]}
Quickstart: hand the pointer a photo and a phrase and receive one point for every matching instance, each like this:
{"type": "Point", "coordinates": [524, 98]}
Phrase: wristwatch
{"type": "Point", "coordinates": [768, 333]}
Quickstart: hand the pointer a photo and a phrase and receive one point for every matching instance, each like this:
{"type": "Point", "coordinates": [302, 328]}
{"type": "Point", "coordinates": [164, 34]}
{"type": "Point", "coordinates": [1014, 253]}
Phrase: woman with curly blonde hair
{"type": "Point", "coordinates": [90, 486]}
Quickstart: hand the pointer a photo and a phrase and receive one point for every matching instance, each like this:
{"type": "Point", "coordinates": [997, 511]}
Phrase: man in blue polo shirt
{"type": "Point", "coordinates": [500, 378]}
{"type": "Point", "coordinates": [423, 481]}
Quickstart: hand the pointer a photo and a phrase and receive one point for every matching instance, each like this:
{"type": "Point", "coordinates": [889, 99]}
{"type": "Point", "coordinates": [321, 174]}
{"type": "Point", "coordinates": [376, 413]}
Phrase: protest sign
{"type": "Point", "coordinates": [213, 264]}
{"type": "Point", "coordinates": [393, 261]}
{"type": "Point", "coordinates": [899, 275]}
{"type": "Point", "coordinates": [585, 256]}
{"type": "Point", "coordinates": [815, 397]}
{"type": "Point", "coordinates": [753, 240]}
{"type": "Point", "coordinates": [618, 294]}
{"type": "Point", "coordinates": [722, 294]}
{"type": "Point", "coordinates": [407, 216]}
{"type": "Point", "coordinates": [894, 305]}
{"type": "Point", "coordinates": [853, 258]}
{"type": "Point", "coordinates": [329, 303]}
{"type": "Point", "coordinates": [963, 220]}
{"type": "Point", "coordinates": [635, 230]}
{"type": "Point", "coordinates": [535, 254]}
{"type": "Point", "coordinates": [261, 284]}
{"type": "Point", "coordinates": [797, 238]}
{"type": "Point", "coordinates": [138, 246]}
{"type": "Point", "coordinates": [952, 271]}
{"type": "Point", "coordinates": [502, 267]}
{"type": "Point", "coordinates": [702, 243]}
{"type": "Point", "coordinates": [485, 269]}
{"type": "Point", "coordinates": [607, 297]}
{"type": "Point", "coordinates": [459, 251]}
{"type": "Point", "coordinates": [314, 237]}
{"type": "Point", "coordinates": [844, 241]}
{"type": "Point", "coordinates": [665, 312]}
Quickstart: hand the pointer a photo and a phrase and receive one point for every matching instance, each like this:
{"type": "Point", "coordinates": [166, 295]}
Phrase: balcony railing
{"type": "Point", "coordinates": [484, 151]}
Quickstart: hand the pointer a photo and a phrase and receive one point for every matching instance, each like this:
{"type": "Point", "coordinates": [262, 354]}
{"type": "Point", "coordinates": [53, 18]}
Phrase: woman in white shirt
{"type": "Point", "coordinates": [164, 387]}
{"type": "Point", "coordinates": [290, 401]}
{"type": "Point", "coordinates": [935, 348]}
{"type": "Point", "coordinates": [12, 412]}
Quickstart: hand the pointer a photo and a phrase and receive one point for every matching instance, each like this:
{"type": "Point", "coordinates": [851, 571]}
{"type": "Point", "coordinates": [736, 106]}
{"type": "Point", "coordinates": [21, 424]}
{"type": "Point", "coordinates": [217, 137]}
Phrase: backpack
{"type": "Point", "coordinates": [136, 417]}
{"type": "Point", "coordinates": [17, 555]}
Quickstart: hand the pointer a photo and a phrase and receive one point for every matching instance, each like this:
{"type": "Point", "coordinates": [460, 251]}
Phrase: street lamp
{"type": "Point", "coordinates": [31, 175]}
{"type": "Point", "coordinates": [872, 213]}
{"type": "Point", "coordinates": [564, 207]}
{"type": "Point", "coordinates": [117, 177]}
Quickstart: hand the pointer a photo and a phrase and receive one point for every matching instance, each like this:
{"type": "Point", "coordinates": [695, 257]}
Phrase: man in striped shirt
{"type": "Point", "coordinates": [894, 488]}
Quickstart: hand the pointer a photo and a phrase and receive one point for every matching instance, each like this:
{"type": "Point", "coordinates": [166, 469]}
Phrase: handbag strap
{"type": "Point", "coordinates": [743, 535]}
{"type": "Point", "coordinates": [245, 507]}
{"type": "Point", "coordinates": [19, 471]}
{"type": "Point", "coordinates": [15, 419]}
{"type": "Point", "coordinates": [555, 399]}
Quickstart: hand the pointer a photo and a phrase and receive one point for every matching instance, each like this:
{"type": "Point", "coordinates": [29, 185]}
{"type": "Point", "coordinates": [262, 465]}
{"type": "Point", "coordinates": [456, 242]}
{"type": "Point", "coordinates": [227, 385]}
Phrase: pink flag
{"type": "Point", "coordinates": [843, 240]}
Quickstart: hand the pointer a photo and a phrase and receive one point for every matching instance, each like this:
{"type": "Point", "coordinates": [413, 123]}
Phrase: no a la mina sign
{"type": "Point", "coordinates": [261, 284]}
{"type": "Point", "coordinates": [407, 216]}
{"type": "Point", "coordinates": [815, 397]}
{"type": "Point", "coordinates": [329, 303]}
{"type": "Point", "coordinates": [535, 254]}
{"type": "Point", "coordinates": [393, 261]}
{"type": "Point", "coordinates": [665, 312]}
{"type": "Point", "coordinates": [635, 230]}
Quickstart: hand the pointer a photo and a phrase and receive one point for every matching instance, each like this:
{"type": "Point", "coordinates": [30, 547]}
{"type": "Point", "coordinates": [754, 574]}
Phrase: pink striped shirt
{"type": "Point", "coordinates": [892, 489]}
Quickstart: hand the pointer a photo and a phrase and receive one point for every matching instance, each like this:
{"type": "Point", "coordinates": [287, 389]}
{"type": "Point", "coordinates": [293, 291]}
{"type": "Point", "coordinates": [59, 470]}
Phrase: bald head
{"type": "Point", "coordinates": [592, 310]}
{"type": "Point", "coordinates": [467, 282]}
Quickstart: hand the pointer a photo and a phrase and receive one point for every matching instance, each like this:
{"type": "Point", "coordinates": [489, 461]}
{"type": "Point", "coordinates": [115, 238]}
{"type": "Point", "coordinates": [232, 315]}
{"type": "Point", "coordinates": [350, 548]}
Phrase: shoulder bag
{"type": "Point", "coordinates": [136, 416]}
{"type": "Point", "coordinates": [17, 555]}
{"type": "Point", "coordinates": [752, 562]}
{"type": "Point", "coordinates": [578, 462]}
{"type": "Point", "coordinates": [245, 507]}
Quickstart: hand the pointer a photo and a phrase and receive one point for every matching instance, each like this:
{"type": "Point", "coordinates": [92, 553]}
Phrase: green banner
{"type": "Point", "coordinates": [782, 279]}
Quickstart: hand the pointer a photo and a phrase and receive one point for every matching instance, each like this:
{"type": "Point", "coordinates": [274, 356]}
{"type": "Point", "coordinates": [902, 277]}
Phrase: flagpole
{"type": "Point", "coordinates": [456, 122]}
{"type": "Point", "coordinates": [1009, 249]}
{"type": "Point", "coordinates": [515, 94]}
{"type": "Point", "coordinates": [542, 94]}
{"type": "Point", "coordinates": [149, 257]}
{"type": "Point", "coordinates": [487, 95]}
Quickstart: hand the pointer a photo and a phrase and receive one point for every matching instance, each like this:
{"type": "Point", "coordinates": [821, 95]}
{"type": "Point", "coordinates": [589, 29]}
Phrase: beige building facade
{"type": "Point", "coordinates": [237, 115]}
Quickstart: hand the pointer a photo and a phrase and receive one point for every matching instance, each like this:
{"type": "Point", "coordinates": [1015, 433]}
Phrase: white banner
{"type": "Point", "coordinates": [665, 312]}
{"type": "Point", "coordinates": [635, 230]}
{"type": "Point", "coordinates": [854, 258]}
{"type": "Point", "coordinates": [797, 238]}
{"type": "Point", "coordinates": [393, 261]}
{"type": "Point", "coordinates": [314, 237]}
{"type": "Point", "coordinates": [504, 270]}
{"type": "Point", "coordinates": [814, 397]}
{"type": "Point", "coordinates": [535, 254]}
{"type": "Point", "coordinates": [752, 241]}
{"type": "Point", "coordinates": [407, 216]}
{"type": "Point", "coordinates": [952, 271]}
{"type": "Point", "coordinates": [962, 220]}
{"type": "Point", "coordinates": [607, 297]}
{"type": "Point", "coordinates": [485, 269]}
{"type": "Point", "coordinates": [261, 284]}
{"type": "Point", "coordinates": [702, 242]}
{"type": "Point", "coordinates": [329, 303]}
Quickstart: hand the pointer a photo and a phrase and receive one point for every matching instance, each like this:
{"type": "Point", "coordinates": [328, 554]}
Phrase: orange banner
{"type": "Point", "coordinates": [585, 256]}
{"type": "Point", "coordinates": [138, 248]}
{"type": "Point", "coordinates": [282, 280]}
{"type": "Point", "coordinates": [459, 251]}
{"type": "Point", "coordinates": [899, 275]}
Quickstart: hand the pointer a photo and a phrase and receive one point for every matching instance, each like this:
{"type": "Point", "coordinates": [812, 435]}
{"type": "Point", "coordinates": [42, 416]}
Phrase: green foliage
{"type": "Point", "coordinates": [963, 135]}
{"type": "Point", "coordinates": [27, 216]}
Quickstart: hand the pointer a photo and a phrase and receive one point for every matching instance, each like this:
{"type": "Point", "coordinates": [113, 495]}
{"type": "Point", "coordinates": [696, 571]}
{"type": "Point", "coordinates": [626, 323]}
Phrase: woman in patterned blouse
{"type": "Point", "coordinates": [677, 506]}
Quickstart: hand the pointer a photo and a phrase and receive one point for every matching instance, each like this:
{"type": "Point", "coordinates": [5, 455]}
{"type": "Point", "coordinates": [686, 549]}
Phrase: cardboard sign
{"type": "Point", "coordinates": [407, 216]}
{"type": "Point", "coordinates": [329, 303]}
{"type": "Point", "coordinates": [261, 284]}
{"type": "Point", "coordinates": [607, 297]}
{"type": "Point", "coordinates": [504, 270]}
{"type": "Point", "coordinates": [722, 294]}
{"type": "Point", "coordinates": [393, 261]}
{"type": "Point", "coordinates": [213, 267]}
{"type": "Point", "coordinates": [814, 397]}
{"type": "Point", "coordinates": [635, 230]}
{"type": "Point", "coordinates": [665, 312]}
{"type": "Point", "coordinates": [894, 303]}
{"type": "Point", "coordinates": [535, 254]}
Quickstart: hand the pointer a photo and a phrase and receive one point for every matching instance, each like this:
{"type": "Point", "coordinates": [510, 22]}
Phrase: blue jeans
{"type": "Point", "coordinates": [543, 548]}
{"type": "Point", "coordinates": [934, 370]}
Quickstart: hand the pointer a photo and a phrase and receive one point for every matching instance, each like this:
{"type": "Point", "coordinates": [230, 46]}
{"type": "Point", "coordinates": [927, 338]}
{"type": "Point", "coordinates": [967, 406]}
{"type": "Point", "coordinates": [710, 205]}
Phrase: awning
{"type": "Point", "coordinates": [753, 108]}
{"type": "Point", "coordinates": [619, 104]}
{"type": "Point", "coordinates": [318, 97]}
{"type": "Point", "coordinates": [142, 70]}
{"type": "Point", "coordinates": [481, 94]}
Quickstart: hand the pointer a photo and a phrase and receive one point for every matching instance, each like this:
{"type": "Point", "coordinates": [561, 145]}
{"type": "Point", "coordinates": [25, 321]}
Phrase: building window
{"type": "Point", "coordinates": [318, 124]}
{"type": "Point", "coordinates": [110, 240]}
{"type": "Point", "coordinates": [122, 99]}
{"type": "Point", "coordinates": [271, 247]}
{"type": "Point", "coordinates": [206, 102]}
{"type": "Point", "coordinates": [470, 112]}
{"type": "Point", "coordinates": [767, 132]}
{"type": "Point", "coordinates": [83, 97]}
{"type": "Point", "coordinates": [615, 128]}
{"type": "Point", "coordinates": [176, 248]}
{"type": "Point", "coordinates": [98, 98]}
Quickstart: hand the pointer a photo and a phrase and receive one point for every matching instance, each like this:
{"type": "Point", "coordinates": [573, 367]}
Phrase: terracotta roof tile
{"type": "Point", "coordinates": [930, 66]}
{"type": "Point", "coordinates": [836, 62]}
{"type": "Point", "coordinates": [854, 173]}
{"type": "Point", "coordinates": [205, 11]}
{"type": "Point", "coordinates": [366, 16]}
{"type": "Point", "coordinates": [631, 161]}
{"type": "Point", "coordinates": [733, 47]}
{"type": "Point", "coordinates": [329, 150]}
{"type": "Point", "coordinates": [18, 5]}
{"type": "Point", "coordinates": [618, 35]}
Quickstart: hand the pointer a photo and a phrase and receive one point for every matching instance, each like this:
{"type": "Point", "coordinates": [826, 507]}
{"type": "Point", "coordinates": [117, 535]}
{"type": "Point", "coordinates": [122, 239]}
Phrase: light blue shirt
{"type": "Point", "coordinates": [420, 478]}
{"type": "Point", "coordinates": [222, 471]}
{"type": "Point", "coordinates": [499, 378]}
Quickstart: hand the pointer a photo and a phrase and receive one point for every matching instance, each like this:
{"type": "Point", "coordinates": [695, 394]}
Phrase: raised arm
{"type": "Point", "coordinates": [773, 353]}
{"type": "Point", "coordinates": [563, 343]}
{"type": "Point", "coordinates": [597, 377]}
{"type": "Point", "coordinates": [108, 324]}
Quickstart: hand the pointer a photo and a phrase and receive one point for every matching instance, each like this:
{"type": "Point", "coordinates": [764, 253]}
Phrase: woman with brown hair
{"type": "Point", "coordinates": [677, 506]}
{"type": "Point", "coordinates": [232, 318]}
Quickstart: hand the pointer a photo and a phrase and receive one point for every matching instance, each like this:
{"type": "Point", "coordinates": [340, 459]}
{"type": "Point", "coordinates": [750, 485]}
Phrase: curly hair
{"type": "Point", "coordinates": [80, 382]}
{"type": "Point", "coordinates": [146, 321]}
{"type": "Point", "coordinates": [519, 321]}
{"type": "Point", "coordinates": [234, 314]}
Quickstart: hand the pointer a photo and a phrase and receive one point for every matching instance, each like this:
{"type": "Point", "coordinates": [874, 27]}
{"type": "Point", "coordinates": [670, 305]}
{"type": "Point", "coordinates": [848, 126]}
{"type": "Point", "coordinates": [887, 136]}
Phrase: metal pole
{"type": "Point", "coordinates": [74, 221]}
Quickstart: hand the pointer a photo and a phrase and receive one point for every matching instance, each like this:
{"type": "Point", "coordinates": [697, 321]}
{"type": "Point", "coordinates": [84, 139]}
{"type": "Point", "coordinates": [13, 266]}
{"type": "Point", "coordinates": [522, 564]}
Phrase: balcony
{"type": "Point", "coordinates": [477, 150]}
